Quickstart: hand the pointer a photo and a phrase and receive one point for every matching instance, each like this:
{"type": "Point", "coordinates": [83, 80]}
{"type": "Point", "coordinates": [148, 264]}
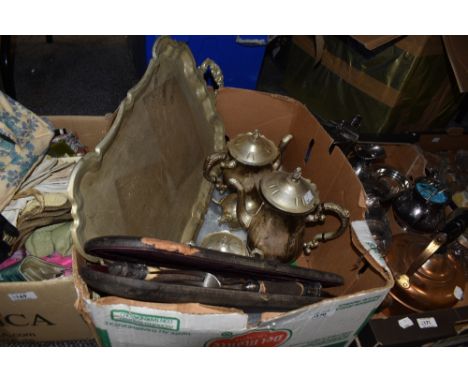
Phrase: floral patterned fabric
{"type": "Point", "coordinates": [24, 139]}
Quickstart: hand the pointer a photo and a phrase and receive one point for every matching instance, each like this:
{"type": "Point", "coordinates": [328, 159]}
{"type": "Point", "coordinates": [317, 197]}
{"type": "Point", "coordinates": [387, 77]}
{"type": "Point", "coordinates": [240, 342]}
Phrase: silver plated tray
{"type": "Point", "coordinates": [145, 177]}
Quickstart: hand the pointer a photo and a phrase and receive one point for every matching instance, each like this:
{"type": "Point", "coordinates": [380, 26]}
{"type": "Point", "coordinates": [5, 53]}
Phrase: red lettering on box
{"type": "Point", "coordinates": [255, 338]}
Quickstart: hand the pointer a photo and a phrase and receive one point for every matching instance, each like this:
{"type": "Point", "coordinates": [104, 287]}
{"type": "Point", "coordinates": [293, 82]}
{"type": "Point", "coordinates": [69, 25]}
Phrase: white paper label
{"type": "Point", "coordinates": [458, 293]}
{"type": "Point", "coordinates": [363, 233]}
{"type": "Point", "coordinates": [427, 322]}
{"type": "Point", "coordinates": [405, 322]}
{"type": "Point", "coordinates": [22, 296]}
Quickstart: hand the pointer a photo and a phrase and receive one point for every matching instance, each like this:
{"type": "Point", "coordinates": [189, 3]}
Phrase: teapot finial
{"type": "Point", "coordinates": [256, 134]}
{"type": "Point", "coordinates": [297, 174]}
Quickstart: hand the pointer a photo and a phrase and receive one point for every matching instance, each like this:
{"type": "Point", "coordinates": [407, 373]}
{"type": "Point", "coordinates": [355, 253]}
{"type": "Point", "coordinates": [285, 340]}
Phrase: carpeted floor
{"type": "Point", "coordinates": [86, 75]}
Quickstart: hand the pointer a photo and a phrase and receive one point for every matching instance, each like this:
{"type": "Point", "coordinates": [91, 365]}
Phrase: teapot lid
{"type": "Point", "coordinates": [369, 151]}
{"type": "Point", "coordinates": [290, 192]}
{"type": "Point", "coordinates": [253, 149]}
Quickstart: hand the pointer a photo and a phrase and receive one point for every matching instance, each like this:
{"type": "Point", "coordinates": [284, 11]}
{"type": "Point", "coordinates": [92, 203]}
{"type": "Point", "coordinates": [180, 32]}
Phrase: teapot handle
{"type": "Point", "coordinates": [210, 162]}
{"type": "Point", "coordinates": [281, 147]}
{"type": "Point", "coordinates": [319, 216]}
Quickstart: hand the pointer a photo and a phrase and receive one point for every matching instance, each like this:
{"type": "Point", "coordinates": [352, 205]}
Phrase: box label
{"type": "Point", "coordinates": [405, 323]}
{"type": "Point", "coordinates": [22, 296]}
{"type": "Point", "coordinates": [146, 320]}
{"type": "Point", "coordinates": [257, 338]}
{"type": "Point", "coordinates": [427, 322]}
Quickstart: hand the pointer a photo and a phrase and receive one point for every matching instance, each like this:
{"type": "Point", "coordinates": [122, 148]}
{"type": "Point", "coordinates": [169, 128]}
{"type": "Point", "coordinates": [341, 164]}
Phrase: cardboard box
{"type": "Point", "coordinates": [44, 310]}
{"type": "Point", "coordinates": [443, 327]}
{"type": "Point", "coordinates": [40, 311]}
{"type": "Point", "coordinates": [332, 322]}
{"type": "Point", "coordinates": [397, 84]}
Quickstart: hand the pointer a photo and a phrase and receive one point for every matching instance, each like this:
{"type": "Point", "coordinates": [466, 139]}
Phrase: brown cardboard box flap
{"type": "Point", "coordinates": [330, 171]}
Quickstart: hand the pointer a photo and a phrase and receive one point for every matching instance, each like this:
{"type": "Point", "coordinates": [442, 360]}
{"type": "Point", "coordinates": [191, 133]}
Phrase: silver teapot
{"type": "Point", "coordinates": [289, 202]}
{"type": "Point", "coordinates": [247, 157]}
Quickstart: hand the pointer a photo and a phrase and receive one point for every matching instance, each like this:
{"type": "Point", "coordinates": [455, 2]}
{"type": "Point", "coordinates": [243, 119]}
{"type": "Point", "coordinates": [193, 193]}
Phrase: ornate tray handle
{"type": "Point", "coordinates": [215, 70]}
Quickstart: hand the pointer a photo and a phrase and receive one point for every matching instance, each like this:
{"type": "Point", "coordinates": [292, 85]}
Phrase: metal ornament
{"type": "Point", "coordinates": [138, 178]}
{"type": "Point", "coordinates": [247, 157]}
{"type": "Point", "coordinates": [224, 241]}
{"type": "Point", "coordinates": [429, 275]}
{"type": "Point", "coordinates": [290, 201]}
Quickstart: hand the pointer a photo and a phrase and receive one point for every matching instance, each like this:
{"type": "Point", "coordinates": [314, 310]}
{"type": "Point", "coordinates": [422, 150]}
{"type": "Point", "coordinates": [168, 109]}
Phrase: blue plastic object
{"type": "Point", "coordinates": [240, 57]}
{"type": "Point", "coordinates": [431, 193]}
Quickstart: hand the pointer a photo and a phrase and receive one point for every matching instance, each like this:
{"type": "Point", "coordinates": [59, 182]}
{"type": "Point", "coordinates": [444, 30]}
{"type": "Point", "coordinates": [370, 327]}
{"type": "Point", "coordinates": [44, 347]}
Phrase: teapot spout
{"type": "Point", "coordinates": [281, 147]}
{"type": "Point", "coordinates": [241, 209]}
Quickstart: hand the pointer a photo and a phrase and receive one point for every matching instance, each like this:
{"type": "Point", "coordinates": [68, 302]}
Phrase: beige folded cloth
{"type": "Point", "coordinates": [43, 210]}
{"type": "Point", "coordinates": [49, 239]}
